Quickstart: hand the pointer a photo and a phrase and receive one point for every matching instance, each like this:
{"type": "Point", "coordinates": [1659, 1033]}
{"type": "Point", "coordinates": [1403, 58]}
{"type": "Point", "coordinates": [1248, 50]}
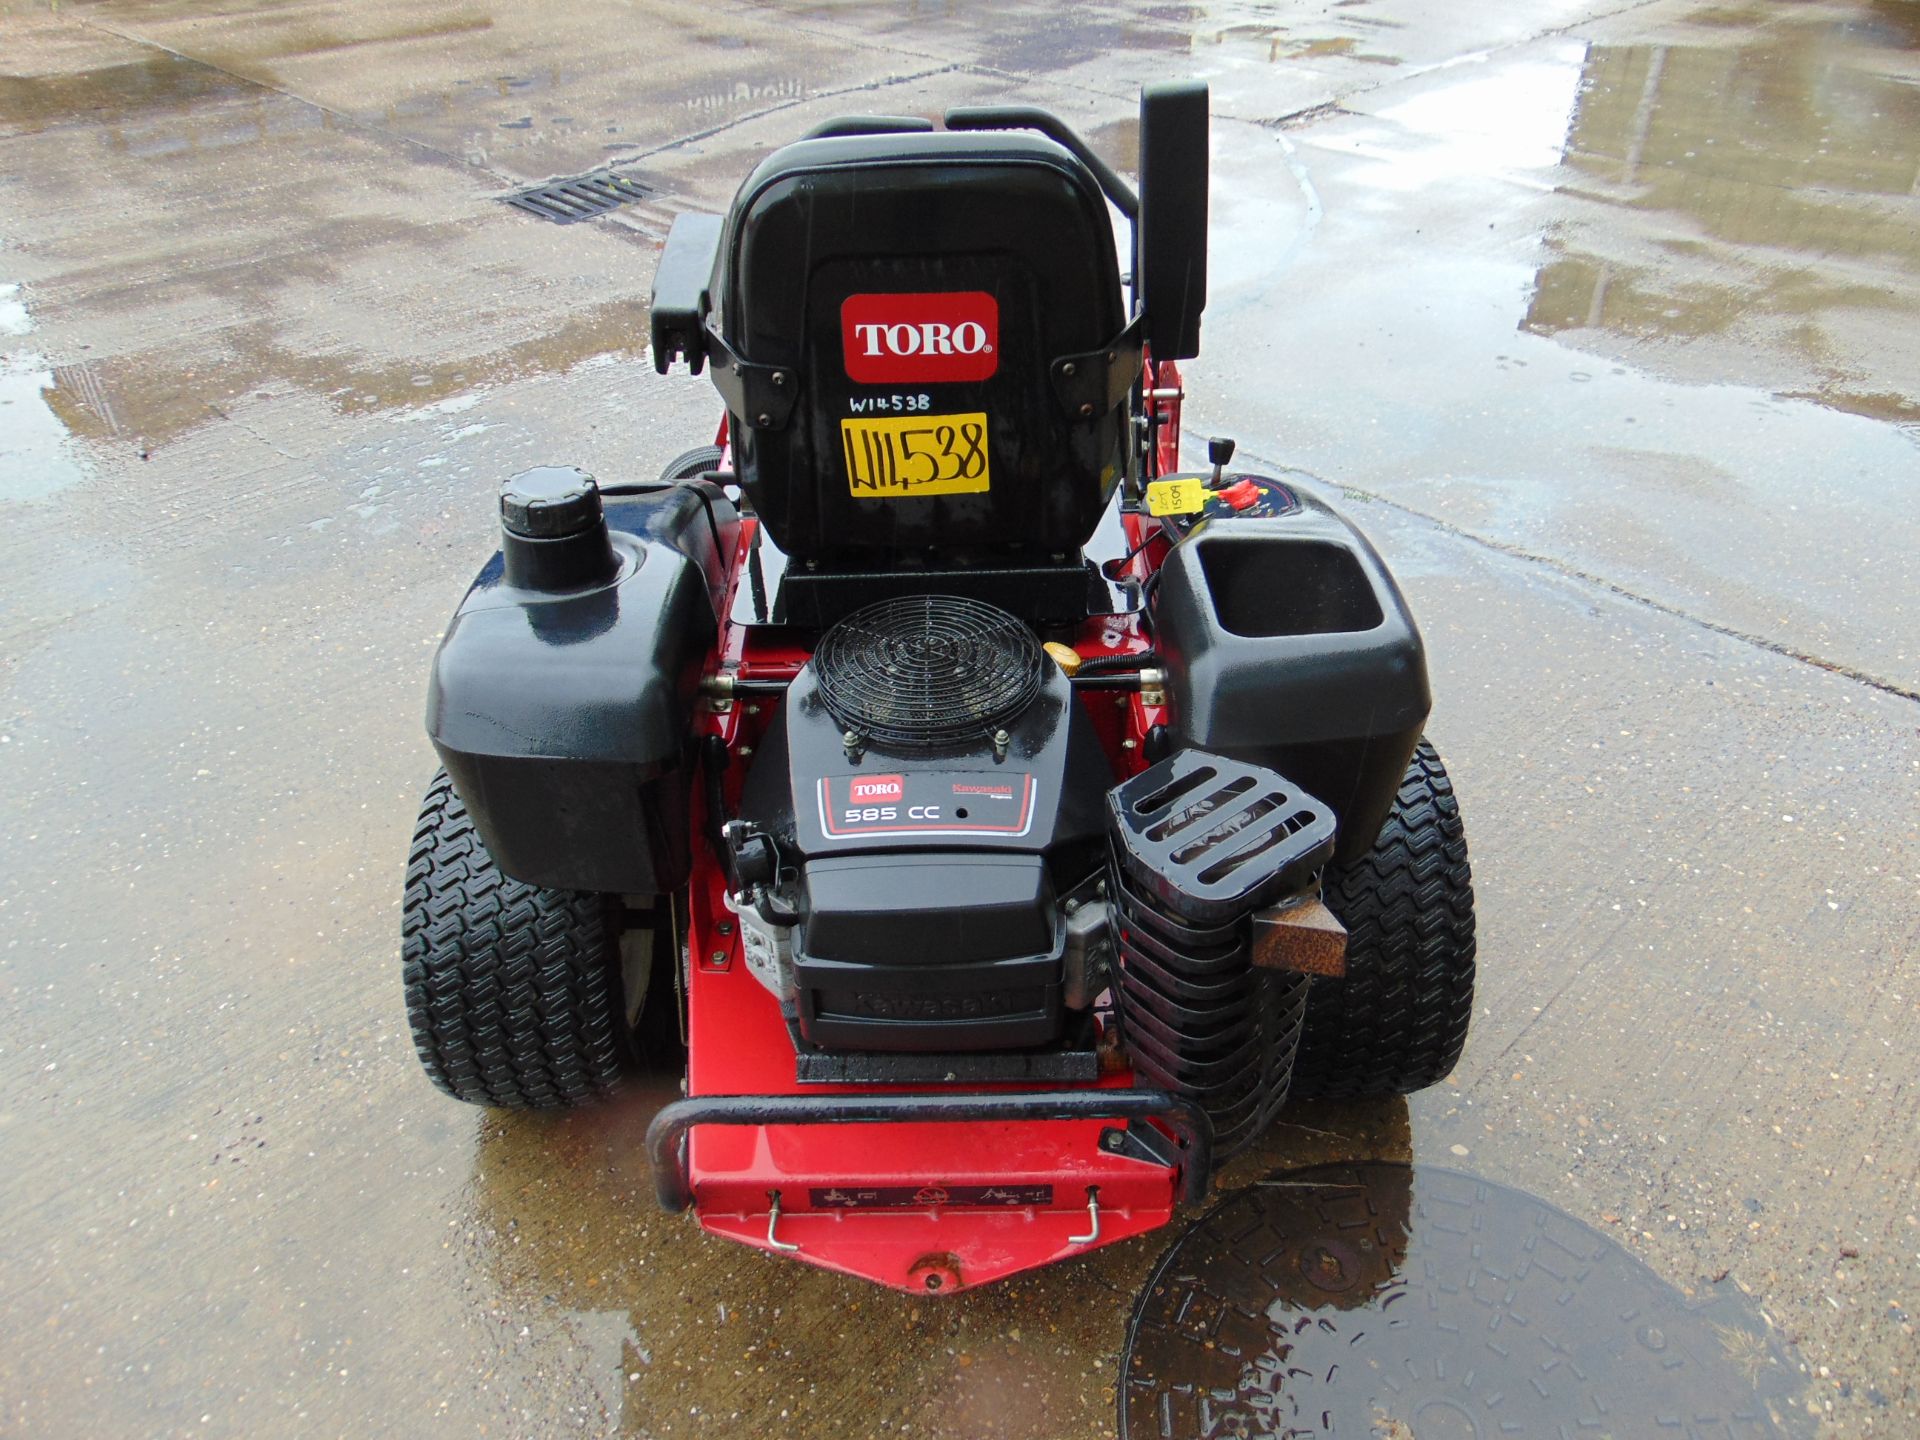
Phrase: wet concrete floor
{"type": "Point", "coordinates": [1600, 317]}
{"type": "Point", "coordinates": [1400, 1300]}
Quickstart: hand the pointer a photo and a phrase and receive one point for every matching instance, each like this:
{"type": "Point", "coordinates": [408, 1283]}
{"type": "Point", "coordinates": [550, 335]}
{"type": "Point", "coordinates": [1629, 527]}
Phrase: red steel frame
{"type": "Point", "coordinates": [738, 1045]}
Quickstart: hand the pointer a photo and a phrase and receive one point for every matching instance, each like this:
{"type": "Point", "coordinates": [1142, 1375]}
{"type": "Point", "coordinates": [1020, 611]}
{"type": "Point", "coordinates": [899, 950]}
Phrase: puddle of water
{"type": "Point", "coordinates": [1658, 443]}
{"type": "Point", "coordinates": [1280, 44]}
{"type": "Point", "coordinates": [36, 452]}
{"type": "Point", "coordinates": [1757, 190]}
{"type": "Point", "coordinates": [13, 311]}
{"type": "Point", "coordinates": [1415, 1303]}
{"type": "Point", "coordinates": [1507, 121]}
{"type": "Point", "coordinates": [146, 398]}
{"type": "Point", "coordinates": [270, 37]}
{"type": "Point", "coordinates": [159, 105]}
{"type": "Point", "coordinates": [158, 83]}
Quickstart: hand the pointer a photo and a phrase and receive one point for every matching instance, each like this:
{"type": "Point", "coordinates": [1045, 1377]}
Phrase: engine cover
{"type": "Point", "coordinates": [923, 885]}
{"type": "Point", "coordinates": [929, 952]}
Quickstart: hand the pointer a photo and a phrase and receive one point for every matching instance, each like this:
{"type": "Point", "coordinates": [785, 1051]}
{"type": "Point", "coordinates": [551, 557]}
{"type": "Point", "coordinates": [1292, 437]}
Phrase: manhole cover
{"type": "Point", "coordinates": [579, 198]}
{"type": "Point", "coordinates": [1394, 1303]}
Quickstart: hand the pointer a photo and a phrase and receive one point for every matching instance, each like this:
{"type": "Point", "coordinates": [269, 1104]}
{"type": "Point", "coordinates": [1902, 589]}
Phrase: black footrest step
{"type": "Point", "coordinates": [1212, 839]}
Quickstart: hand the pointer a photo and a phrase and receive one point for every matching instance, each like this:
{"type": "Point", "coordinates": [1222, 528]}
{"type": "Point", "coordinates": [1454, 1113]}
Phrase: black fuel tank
{"type": "Point", "coordinates": [562, 716]}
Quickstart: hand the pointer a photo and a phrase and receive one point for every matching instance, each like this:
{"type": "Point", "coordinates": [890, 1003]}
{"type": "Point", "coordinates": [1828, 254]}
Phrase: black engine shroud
{"type": "Point", "coordinates": [924, 883]}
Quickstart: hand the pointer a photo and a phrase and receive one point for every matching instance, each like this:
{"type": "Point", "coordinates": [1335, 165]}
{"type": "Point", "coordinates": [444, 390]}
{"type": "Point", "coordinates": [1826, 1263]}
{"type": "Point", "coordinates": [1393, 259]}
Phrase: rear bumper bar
{"type": "Point", "coordinates": [666, 1136]}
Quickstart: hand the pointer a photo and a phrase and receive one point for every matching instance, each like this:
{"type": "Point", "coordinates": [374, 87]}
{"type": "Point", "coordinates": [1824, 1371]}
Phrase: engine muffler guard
{"type": "Point", "coordinates": [961, 1189]}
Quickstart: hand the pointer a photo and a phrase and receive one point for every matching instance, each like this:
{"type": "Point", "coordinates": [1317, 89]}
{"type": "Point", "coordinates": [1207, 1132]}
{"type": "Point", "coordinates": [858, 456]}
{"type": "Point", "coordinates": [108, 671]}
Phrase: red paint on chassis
{"type": "Point", "coordinates": [738, 1044]}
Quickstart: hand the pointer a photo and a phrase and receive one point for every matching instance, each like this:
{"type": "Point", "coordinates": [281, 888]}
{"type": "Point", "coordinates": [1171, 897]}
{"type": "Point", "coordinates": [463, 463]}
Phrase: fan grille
{"type": "Point", "coordinates": [928, 672]}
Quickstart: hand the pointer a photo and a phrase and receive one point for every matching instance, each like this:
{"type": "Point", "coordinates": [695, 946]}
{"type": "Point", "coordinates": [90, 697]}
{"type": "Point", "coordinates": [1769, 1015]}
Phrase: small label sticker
{"type": "Point", "coordinates": [1176, 497]}
{"type": "Point", "coordinates": [915, 455]}
{"type": "Point", "coordinates": [906, 1197]}
{"type": "Point", "coordinates": [962, 802]}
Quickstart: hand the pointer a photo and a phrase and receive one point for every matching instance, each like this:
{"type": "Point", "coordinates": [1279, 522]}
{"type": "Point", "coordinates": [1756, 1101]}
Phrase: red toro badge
{"type": "Point", "coordinates": [920, 339]}
{"type": "Point", "coordinates": [875, 789]}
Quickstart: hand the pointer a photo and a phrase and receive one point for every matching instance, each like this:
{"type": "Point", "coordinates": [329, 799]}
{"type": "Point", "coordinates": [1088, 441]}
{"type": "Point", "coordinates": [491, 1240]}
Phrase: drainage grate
{"type": "Point", "coordinates": [580, 197]}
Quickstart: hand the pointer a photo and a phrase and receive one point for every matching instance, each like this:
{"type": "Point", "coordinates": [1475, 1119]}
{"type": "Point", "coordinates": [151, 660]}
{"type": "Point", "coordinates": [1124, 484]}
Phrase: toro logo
{"type": "Point", "coordinates": [872, 789]}
{"type": "Point", "coordinates": [949, 335]}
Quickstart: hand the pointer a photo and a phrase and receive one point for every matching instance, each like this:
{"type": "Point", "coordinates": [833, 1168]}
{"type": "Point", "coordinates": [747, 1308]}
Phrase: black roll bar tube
{"type": "Point", "coordinates": [1029, 117]}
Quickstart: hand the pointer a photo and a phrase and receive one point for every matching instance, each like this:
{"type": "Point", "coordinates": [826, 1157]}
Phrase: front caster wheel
{"type": "Point", "coordinates": [514, 993]}
{"type": "Point", "coordinates": [697, 461]}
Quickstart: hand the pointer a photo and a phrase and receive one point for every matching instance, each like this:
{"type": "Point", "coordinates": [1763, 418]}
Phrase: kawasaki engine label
{"type": "Point", "coordinates": [948, 802]}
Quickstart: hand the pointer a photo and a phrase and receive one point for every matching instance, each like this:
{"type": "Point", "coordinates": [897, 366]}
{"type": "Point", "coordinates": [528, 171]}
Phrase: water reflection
{"type": "Point", "coordinates": [36, 458]}
{"type": "Point", "coordinates": [1281, 44]}
{"type": "Point", "coordinates": [679, 1329]}
{"type": "Point", "coordinates": [36, 452]}
{"type": "Point", "coordinates": [156, 399]}
{"type": "Point", "coordinates": [160, 83]}
{"type": "Point", "coordinates": [1767, 182]}
{"type": "Point", "coordinates": [1402, 1301]}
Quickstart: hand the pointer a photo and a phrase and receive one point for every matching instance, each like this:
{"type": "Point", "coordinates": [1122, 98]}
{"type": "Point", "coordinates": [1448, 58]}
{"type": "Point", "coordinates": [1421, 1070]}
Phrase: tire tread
{"type": "Point", "coordinates": [512, 991]}
{"type": "Point", "coordinates": [1398, 1021]}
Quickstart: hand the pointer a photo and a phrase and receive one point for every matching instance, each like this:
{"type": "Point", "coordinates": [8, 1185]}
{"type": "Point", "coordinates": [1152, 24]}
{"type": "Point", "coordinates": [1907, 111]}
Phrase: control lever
{"type": "Point", "coordinates": [1219, 455]}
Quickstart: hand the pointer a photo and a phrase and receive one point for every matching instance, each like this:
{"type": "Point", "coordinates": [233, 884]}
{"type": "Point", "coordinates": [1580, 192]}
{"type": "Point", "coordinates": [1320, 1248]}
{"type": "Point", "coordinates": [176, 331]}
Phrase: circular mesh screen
{"type": "Point", "coordinates": [928, 671]}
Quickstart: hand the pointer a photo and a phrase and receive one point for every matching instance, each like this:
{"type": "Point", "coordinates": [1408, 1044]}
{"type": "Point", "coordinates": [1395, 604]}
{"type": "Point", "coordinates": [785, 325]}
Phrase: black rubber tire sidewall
{"type": "Point", "coordinates": [1398, 1020]}
{"type": "Point", "coordinates": [512, 991]}
{"type": "Point", "coordinates": [697, 461]}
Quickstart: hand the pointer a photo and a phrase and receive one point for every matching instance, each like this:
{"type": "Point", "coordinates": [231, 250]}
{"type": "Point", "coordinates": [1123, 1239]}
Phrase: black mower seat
{"type": "Point", "coordinates": [928, 347]}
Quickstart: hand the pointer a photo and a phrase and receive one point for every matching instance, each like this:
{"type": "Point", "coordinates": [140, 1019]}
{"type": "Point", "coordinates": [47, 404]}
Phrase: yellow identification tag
{"type": "Point", "coordinates": [913, 455]}
{"type": "Point", "coordinates": [1176, 497]}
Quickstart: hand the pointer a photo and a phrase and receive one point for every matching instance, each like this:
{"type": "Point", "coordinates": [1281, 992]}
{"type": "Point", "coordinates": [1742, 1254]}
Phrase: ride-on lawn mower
{"type": "Point", "coordinates": [1004, 822]}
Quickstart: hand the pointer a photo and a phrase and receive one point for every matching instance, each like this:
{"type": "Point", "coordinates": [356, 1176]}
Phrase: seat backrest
{"type": "Point", "coordinates": [921, 315]}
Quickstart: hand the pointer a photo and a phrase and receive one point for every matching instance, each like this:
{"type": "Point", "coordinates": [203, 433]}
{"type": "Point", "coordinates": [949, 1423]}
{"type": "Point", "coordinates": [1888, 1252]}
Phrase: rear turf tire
{"type": "Point", "coordinates": [513, 992]}
{"type": "Point", "coordinates": [1398, 1020]}
{"type": "Point", "coordinates": [694, 462]}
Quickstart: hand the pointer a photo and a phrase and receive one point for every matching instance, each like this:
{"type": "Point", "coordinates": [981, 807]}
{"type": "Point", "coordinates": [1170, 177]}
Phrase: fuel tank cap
{"type": "Point", "coordinates": [550, 502]}
{"type": "Point", "coordinates": [553, 533]}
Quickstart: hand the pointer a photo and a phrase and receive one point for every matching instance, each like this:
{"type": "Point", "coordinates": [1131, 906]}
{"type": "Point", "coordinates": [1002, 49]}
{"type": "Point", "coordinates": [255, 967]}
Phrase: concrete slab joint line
{"type": "Point", "coordinates": [864, 87]}
{"type": "Point", "coordinates": [1612, 587]}
{"type": "Point", "coordinates": [353, 121]}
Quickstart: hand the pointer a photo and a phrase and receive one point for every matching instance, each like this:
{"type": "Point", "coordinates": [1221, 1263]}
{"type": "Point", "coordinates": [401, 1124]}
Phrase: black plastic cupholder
{"type": "Point", "coordinates": [1305, 588]}
{"type": "Point", "coordinates": [1288, 645]}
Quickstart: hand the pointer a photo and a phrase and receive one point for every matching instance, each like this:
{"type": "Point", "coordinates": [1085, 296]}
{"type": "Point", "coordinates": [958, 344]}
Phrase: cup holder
{"type": "Point", "coordinates": [1290, 587]}
{"type": "Point", "coordinates": [1288, 645]}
